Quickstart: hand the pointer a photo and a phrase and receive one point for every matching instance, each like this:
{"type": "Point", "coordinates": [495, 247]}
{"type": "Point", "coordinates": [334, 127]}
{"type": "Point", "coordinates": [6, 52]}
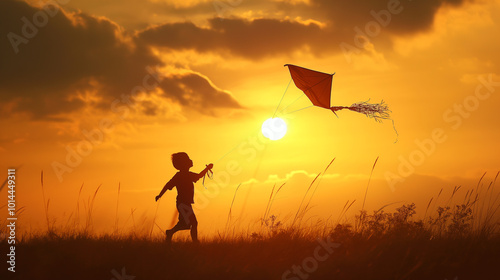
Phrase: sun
{"type": "Point", "coordinates": [274, 128]}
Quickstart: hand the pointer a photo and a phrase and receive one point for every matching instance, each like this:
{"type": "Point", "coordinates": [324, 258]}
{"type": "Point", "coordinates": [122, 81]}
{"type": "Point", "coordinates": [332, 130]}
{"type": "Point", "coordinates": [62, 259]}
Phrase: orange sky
{"type": "Point", "coordinates": [102, 94]}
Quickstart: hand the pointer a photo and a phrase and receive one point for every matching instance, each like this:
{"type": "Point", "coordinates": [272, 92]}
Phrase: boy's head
{"type": "Point", "coordinates": [181, 161]}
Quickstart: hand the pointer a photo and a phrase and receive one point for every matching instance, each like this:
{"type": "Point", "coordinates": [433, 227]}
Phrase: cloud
{"type": "Point", "coordinates": [50, 59]}
{"type": "Point", "coordinates": [294, 176]}
{"type": "Point", "coordinates": [319, 26]}
{"type": "Point", "coordinates": [253, 39]}
{"type": "Point", "coordinates": [407, 17]}
{"type": "Point", "coordinates": [415, 16]}
{"type": "Point", "coordinates": [186, 89]}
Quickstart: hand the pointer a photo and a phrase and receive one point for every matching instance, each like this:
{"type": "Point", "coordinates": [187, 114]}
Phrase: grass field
{"type": "Point", "coordinates": [451, 241]}
{"type": "Point", "coordinates": [357, 257]}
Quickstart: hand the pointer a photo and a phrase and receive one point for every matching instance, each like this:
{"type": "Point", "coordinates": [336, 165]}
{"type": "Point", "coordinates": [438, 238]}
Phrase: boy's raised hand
{"type": "Point", "coordinates": [210, 166]}
{"type": "Point", "coordinates": [157, 197]}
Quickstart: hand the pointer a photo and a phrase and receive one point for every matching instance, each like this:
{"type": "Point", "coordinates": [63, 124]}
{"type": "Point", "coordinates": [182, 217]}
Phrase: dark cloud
{"type": "Point", "coordinates": [55, 57]}
{"type": "Point", "coordinates": [406, 17]}
{"type": "Point", "coordinates": [418, 15]}
{"type": "Point", "coordinates": [333, 23]}
{"type": "Point", "coordinates": [253, 39]}
{"type": "Point", "coordinates": [149, 108]}
{"type": "Point", "coordinates": [186, 90]}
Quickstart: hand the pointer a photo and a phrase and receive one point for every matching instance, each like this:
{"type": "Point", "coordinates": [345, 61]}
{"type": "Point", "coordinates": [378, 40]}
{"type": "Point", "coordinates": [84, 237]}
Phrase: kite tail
{"type": "Point", "coordinates": [378, 111]}
{"type": "Point", "coordinates": [337, 108]}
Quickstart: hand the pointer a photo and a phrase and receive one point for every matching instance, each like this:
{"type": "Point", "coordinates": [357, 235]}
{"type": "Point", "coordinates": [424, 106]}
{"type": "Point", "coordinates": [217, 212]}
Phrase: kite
{"type": "Point", "coordinates": [317, 87]}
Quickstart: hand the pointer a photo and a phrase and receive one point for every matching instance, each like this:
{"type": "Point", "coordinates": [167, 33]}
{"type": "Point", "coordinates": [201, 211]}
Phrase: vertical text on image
{"type": "Point", "coordinates": [11, 219]}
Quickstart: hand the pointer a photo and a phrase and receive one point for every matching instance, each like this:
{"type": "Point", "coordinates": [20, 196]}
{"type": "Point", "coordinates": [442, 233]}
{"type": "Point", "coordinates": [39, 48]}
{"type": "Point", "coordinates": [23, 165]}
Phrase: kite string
{"type": "Point", "coordinates": [298, 110]}
{"type": "Point", "coordinates": [282, 97]}
{"type": "Point", "coordinates": [301, 95]}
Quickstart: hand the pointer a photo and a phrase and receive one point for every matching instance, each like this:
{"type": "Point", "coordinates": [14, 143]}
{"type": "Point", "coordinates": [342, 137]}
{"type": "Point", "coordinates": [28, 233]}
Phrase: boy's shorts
{"type": "Point", "coordinates": [186, 215]}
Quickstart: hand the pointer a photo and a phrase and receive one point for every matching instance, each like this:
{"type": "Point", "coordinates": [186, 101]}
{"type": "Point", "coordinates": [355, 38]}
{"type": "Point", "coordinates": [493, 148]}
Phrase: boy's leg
{"type": "Point", "coordinates": [170, 232]}
{"type": "Point", "coordinates": [194, 228]}
{"type": "Point", "coordinates": [186, 211]}
{"type": "Point", "coordinates": [183, 222]}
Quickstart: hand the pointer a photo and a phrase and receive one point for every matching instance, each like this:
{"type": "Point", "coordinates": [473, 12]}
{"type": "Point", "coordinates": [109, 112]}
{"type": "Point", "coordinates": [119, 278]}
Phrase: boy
{"type": "Point", "coordinates": [183, 180]}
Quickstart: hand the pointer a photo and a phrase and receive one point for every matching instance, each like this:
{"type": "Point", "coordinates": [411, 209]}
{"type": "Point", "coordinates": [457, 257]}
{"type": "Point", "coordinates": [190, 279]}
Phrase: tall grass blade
{"type": "Point", "coordinates": [366, 192]}
{"type": "Point", "coordinates": [231, 207]}
{"type": "Point", "coordinates": [274, 197]}
{"type": "Point", "coordinates": [319, 181]}
{"type": "Point", "coordinates": [45, 203]}
{"type": "Point", "coordinates": [303, 198]}
{"type": "Point", "coordinates": [426, 209]}
{"type": "Point", "coordinates": [268, 203]}
{"type": "Point", "coordinates": [116, 212]}
{"type": "Point", "coordinates": [154, 218]}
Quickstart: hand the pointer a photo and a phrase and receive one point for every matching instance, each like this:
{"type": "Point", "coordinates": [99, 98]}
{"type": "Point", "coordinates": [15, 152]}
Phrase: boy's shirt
{"type": "Point", "coordinates": [185, 187]}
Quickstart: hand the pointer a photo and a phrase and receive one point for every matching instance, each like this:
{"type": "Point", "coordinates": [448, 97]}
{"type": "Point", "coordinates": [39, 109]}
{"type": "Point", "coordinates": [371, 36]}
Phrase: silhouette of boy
{"type": "Point", "coordinates": [184, 180]}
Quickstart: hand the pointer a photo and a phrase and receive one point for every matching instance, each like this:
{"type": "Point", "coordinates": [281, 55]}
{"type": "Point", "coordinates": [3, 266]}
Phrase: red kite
{"type": "Point", "coordinates": [317, 87]}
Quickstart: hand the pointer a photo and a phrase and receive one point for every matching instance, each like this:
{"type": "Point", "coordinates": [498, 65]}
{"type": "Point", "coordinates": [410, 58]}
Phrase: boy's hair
{"type": "Point", "coordinates": [178, 160]}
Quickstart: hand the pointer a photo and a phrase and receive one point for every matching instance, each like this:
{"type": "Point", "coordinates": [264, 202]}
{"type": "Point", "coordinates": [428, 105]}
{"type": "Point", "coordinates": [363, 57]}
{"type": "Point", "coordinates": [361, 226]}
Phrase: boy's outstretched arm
{"type": "Point", "coordinates": [168, 186]}
{"type": "Point", "coordinates": [202, 173]}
